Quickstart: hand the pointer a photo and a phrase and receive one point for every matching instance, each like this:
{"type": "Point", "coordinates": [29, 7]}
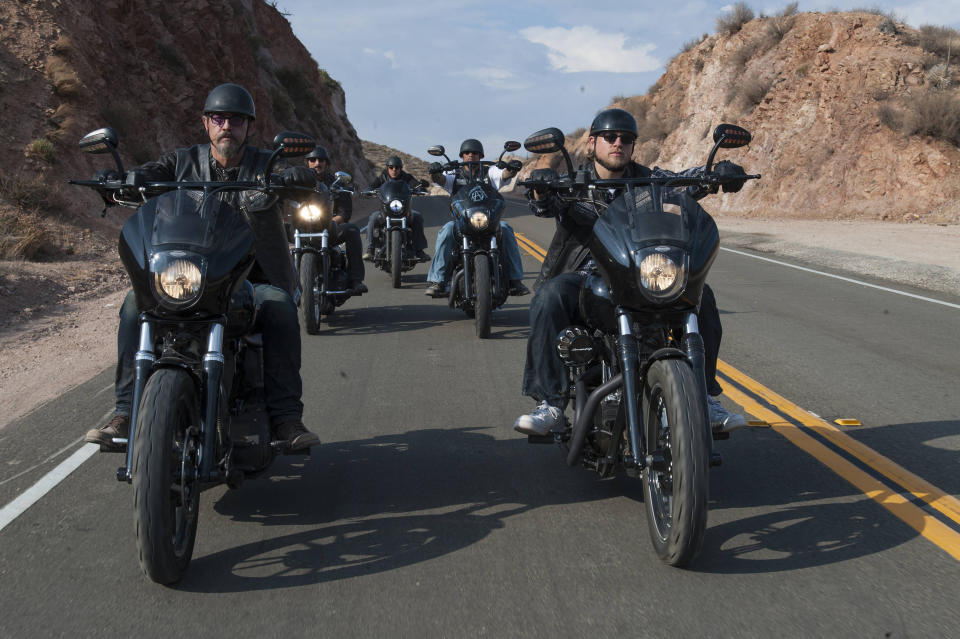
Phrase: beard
{"type": "Point", "coordinates": [228, 146]}
{"type": "Point", "coordinates": [614, 165]}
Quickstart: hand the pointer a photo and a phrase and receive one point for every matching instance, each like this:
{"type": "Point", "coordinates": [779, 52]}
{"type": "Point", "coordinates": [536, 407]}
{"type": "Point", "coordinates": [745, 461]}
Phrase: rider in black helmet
{"type": "Point", "coordinates": [341, 230]}
{"type": "Point", "coordinates": [471, 150]}
{"type": "Point", "coordinates": [610, 147]}
{"type": "Point", "coordinates": [228, 116]}
{"type": "Point", "coordinates": [394, 171]}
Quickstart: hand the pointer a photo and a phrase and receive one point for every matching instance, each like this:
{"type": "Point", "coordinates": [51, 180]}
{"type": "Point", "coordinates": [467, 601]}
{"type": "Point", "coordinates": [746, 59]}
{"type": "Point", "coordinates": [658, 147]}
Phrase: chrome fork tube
{"type": "Point", "coordinates": [213, 373]}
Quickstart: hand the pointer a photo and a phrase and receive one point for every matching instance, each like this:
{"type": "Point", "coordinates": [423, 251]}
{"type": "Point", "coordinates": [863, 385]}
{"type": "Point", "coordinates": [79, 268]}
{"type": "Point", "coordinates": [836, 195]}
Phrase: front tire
{"type": "Point", "coordinates": [310, 304]}
{"type": "Point", "coordinates": [396, 257]}
{"type": "Point", "coordinates": [675, 496]}
{"type": "Point", "coordinates": [166, 489]}
{"type": "Point", "coordinates": [484, 304]}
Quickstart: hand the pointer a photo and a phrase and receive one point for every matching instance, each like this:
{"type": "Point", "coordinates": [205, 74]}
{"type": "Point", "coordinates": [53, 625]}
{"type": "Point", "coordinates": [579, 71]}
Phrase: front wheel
{"type": "Point", "coordinates": [396, 257]}
{"type": "Point", "coordinates": [166, 489]}
{"type": "Point", "coordinates": [310, 304]}
{"type": "Point", "coordinates": [676, 488]}
{"type": "Point", "coordinates": [483, 307]}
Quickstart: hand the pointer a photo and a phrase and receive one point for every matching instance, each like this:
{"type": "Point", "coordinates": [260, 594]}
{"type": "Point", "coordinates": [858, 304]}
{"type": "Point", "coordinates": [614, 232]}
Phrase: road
{"type": "Point", "coordinates": [424, 514]}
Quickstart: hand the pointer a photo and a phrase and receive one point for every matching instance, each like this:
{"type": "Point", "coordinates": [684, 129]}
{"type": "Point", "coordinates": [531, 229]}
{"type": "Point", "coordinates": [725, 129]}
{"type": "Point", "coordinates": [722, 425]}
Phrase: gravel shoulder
{"type": "Point", "coordinates": [48, 347]}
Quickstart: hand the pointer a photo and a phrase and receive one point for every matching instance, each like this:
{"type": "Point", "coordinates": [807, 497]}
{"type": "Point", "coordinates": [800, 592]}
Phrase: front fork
{"type": "Point", "coordinates": [629, 354]}
{"type": "Point", "coordinates": [143, 364]}
{"type": "Point", "coordinates": [298, 251]}
{"type": "Point", "coordinates": [494, 257]}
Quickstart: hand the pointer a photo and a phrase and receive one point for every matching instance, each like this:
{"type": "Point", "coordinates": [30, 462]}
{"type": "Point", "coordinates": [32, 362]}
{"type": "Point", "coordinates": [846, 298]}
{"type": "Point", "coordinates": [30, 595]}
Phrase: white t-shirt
{"type": "Point", "coordinates": [495, 174]}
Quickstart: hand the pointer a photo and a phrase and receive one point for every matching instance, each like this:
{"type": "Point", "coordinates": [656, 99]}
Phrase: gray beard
{"type": "Point", "coordinates": [229, 149]}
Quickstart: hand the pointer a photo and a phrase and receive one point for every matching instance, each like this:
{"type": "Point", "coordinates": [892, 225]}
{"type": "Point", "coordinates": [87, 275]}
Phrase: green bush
{"type": "Point", "coordinates": [43, 148]}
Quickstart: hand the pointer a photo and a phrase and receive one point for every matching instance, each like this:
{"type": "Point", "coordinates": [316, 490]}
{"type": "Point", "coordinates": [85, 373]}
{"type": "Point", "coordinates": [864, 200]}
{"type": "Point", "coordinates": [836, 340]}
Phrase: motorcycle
{"type": "Point", "coordinates": [637, 366]}
{"type": "Point", "coordinates": [477, 284]}
{"type": "Point", "coordinates": [322, 267]}
{"type": "Point", "coordinates": [393, 242]}
{"type": "Point", "coordinates": [198, 415]}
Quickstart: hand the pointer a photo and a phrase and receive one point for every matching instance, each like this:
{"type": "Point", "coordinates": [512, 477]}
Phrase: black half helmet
{"type": "Point", "coordinates": [613, 120]}
{"type": "Point", "coordinates": [230, 98]}
{"type": "Point", "coordinates": [319, 153]}
{"type": "Point", "coordinates": [394, 161]}
{"type": "Point", "coordinates": [471, 145]}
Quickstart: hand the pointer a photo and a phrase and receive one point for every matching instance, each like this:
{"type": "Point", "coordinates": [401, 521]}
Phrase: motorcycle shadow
{"type": "Point", "coordinates": [381, 319]}
{"type": "Point", "coordinates": [448, 489]}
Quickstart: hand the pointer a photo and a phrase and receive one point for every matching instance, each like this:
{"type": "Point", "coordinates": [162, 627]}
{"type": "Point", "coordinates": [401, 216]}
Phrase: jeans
{"type": "Point", "coordinates": [556, 306]}
{"type": "Point", "coordinates": [349, 234]}
{"type": "Point", "coordinates": [443, 250]}
{"type": "Point", "coordinates": [276, 320]}
{"type": "Point", "coordinates": [419, 238]}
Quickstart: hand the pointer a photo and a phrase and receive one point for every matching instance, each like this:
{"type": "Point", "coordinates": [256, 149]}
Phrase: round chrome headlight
{"type": "Point", "coordinates": [396, 206]}
{"type": "Point", "coordinates": [479, 220]}
{"type": "Point", "coordinates": [662, 271]}
{"type": "Point", "coordinates": [177, 277]}
{"type": "Point", "coordinates": [311, 212]}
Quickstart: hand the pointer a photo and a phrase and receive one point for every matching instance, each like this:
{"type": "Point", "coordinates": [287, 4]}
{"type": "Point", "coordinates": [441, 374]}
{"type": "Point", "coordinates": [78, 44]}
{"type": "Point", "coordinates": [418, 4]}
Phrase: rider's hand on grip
{"type": "Point", "coordinates": [514, 165]}
{"type": "Point", "coordinates": [728, 169]}
{"type": "Point", "coordinates": [107, 175]}
{"type": "Point", "coordinates": [298, 176]}
{"type": "Point", "coordinates": [435, 167]}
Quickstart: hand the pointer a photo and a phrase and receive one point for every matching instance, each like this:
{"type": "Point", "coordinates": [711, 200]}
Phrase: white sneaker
{"type": "Point", "coordinates": [721, 419]}
{"type": "Point", "coordinates": [541, 421]}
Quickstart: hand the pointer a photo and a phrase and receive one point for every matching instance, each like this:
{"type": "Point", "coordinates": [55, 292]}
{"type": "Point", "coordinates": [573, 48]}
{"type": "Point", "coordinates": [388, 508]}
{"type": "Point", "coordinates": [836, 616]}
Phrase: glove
{"type": "Point", "coordinates": [105, 175]}
{"type": "Point", "coordinates": [424, 184]}
{"type": "Point", "coordinates": [728, 169]}
{"type": "Point", "coordinates": [298, 176]}
{"type": "Point", "coordinates": [514, 165]}
{"type": "Point", "coordinates": [434, 168]}
{"type": "Point", "coordinates": [544, 176]}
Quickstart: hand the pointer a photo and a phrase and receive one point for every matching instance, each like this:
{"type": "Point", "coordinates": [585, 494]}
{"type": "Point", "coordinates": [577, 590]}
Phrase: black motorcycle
{"type": "Point", "coordinates": [198, 416]}
{"type": "Point", "coordinates": [322, 267]}
{"type": "Point", "coordinates": [477, 284]}
{"type": "Point", "coordinates": [393, 241]}
{"type": "Point", "coordinates": [637, 367]}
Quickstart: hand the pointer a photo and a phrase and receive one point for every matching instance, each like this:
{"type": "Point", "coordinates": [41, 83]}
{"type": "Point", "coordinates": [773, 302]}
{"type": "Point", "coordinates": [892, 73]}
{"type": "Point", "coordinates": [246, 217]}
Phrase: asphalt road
{"type": "Point", "coordinates": [424, 514]}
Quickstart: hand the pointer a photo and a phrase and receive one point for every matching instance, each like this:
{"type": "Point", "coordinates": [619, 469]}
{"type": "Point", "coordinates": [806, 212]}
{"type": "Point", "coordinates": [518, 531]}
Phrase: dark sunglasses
{"type": "Point", "coordinates": [220, 119]}
{"type": "Point", "coordinates": [628, 138]}
{"type": "Point", "coordinates": [312, 160]}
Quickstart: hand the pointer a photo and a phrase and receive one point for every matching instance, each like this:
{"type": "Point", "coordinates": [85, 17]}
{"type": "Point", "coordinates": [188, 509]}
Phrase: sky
{"type": "Point", "coordinates": [417, 74]}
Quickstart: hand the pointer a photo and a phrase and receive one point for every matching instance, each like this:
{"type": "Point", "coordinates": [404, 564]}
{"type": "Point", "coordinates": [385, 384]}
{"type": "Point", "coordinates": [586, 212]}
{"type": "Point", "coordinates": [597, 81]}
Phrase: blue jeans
{"type": "Point", "coordinates": [443, 250]}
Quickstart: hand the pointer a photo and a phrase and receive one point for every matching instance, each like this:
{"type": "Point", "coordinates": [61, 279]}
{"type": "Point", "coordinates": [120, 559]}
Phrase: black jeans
{"type": "Point", "coordinates": [419, 237]}
{"type": "Point", "coordinates": [276, 320]}
{"type": "Point", "coordinates": [349, 234]}
{"type": "Point", "coordinates": [556, 306]}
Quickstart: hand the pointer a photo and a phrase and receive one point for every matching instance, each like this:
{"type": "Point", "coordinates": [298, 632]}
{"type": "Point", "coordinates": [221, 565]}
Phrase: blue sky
{"type": "Point", "coordinates": [430, 72]}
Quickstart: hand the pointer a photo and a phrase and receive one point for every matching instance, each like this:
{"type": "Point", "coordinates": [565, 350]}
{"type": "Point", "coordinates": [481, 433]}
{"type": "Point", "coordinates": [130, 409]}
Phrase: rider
{"type": "Point", "coordinates": [341, 230]}
{"type": "Point", "coordinates": [394, 171]}
{"type": "Point", "coordinates": [472, 151]}
{"type": "Point", "coordinates": [556, 303]}
{"type": "Point", "coordinates": [228, 116]}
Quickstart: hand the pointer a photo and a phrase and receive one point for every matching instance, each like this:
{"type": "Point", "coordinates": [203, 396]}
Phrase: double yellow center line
{"type": "Point", "coordinates": [808, 432]}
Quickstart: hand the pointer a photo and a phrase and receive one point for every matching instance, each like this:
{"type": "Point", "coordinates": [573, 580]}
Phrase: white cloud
{"type": "Point", "coordinates": [497, 78]}
{"type": "Point", "coordinates": [585, 49]}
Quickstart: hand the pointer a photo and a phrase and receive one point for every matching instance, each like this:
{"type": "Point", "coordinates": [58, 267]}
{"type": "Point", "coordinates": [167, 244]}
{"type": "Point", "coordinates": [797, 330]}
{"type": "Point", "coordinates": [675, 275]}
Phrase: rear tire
{"type": "Point", "coordinates": [310, 304]}
{"type": "Point", "coordinates": [166, 490]}
{"type": "Point", "coordinates": [484, 304]}
{"type": "Point", "coordinates": [396, 257]}
{"type": "Point", "coordinates": [676, 425]}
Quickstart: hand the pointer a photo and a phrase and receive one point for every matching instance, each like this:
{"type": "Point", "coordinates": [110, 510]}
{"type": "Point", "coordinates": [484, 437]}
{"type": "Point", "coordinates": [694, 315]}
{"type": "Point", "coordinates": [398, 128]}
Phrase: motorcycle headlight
{"type": "Point", "coordinates": [396, 206]}
{"type": "Point", "coordinates": [663, 271]}
{"type": "Point", "coordinates": [178, 277]}
{"type": "Point", "coordinates": [311, 212]}
{"type": "Point", "coordinates": [479, 220]}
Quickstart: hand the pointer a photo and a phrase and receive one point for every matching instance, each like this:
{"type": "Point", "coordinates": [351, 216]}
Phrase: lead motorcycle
{"type": "Point", "coordinates": [477, 284]}
{"type": "Point", "coordinates": [637, 365]}
{"type": "Point", "coordinates": [198, 415]}
{"type": "Point", "coordinates": [393, 242]}
{"type": "Point", "coordinates": [322, 266]}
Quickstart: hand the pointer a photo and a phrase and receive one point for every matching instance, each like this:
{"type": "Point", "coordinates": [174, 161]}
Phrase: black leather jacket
{"type": "Point", "coordinates": [385, 177]}
{"type": "Point", "coordinates": [342, 202]}
{"type": "Point", "coordinates": [262, 212]}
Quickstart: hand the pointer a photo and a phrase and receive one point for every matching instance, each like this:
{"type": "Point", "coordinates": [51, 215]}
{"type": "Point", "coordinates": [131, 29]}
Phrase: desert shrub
{"type": "Point", "coordinates": [43, 148]}
{"type": "Point", "coordinates": [733, 20]}
{"type": "Point", "coordinates": [940, 76]}
{"type": "Point", "coordinates": [327, 80]}
{"type": "Point", "coordinates": [32, 194]}
{"type": "Point", "coordinates": [62, 45]}
{"type": "Point", "coordinates": [62, 77]}
{"type": "Point", "coordinates": [749, 50]}
{"type": "Point", "coordinates": [939, 40]}
{"type": "Point", "coordinates": [880, 94]}
{"type": "Point", "coordinates": [803, 70]}
{"type": "Point", "coordinates": [889, 117]}
{"type": "Point", "coordinates": [754, 87]}
{"type": "Point", "coordinates": [780, 23]}
{"type": "Point", "coordinates": [934, 113]}
{"type": "Point", "coordinates": [697, 64]}
{"type": "Point", "coordinates": [171, 56]}
{"type": "Point", "coordinates": [692, 44]}
{"type": "Point", "coordinates": [618, 98]}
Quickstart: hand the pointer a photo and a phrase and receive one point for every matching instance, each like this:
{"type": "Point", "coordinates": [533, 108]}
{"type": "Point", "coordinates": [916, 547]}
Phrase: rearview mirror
{"type": "Point", "coordinates": [436, 150]}
{"type": "Point", "coordinates": [730, 136]}
{"type": "Point", "coordinates": [343, 178]}
{"type": "Point", "coordinates": [511, 146]}
{"type": "Point", "coordinates": [545, 141]}
{"type": "Point", "coordinates": [99, 141]}
{"type": "Point", "coordinates": [291, 144]}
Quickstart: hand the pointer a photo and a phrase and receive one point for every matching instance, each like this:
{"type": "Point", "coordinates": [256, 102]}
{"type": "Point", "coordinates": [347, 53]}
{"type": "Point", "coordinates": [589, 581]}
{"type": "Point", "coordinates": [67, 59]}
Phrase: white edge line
{"type": "Point", "coordinates": [845, 279]}
{"type": "Point", "coordinates": [33, 494]}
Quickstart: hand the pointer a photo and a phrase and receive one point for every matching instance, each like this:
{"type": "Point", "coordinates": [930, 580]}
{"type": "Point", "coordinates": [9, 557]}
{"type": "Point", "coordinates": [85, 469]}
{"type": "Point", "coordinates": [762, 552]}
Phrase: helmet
{"type": "Point", "coordinates": [230, 98]}
{"type": "Point", "coordinates": [471, 145]}
{"type": "Point", "coordinates": [319, 153]}
{"type": "Point", "coordinates": [395, 161]}
{"type": "Point", "coordinates": [613, 120]}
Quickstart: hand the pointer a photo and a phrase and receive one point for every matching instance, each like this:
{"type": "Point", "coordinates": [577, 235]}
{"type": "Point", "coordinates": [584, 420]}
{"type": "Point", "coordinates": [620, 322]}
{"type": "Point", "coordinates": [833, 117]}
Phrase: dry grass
{"type": "Point", "coordinates": [732, 21]}
{"type": "Point", "coordinates": [779, 24]}
{"type": "Point", "coordinates": [934, 113]}
{"type": "Point", "coordinates": [940, 41]}
{"type": "Point", "coordinates": [64, 79]}
{"type": "Point", "coordinates": [62, 45]}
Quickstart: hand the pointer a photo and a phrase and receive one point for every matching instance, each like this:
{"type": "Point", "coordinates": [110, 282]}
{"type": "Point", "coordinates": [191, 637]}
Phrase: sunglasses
{"type": "Point", "coordinates": [220, 119]}
{"type": "Point", "coordinates": [312, 160]}
{"type": "Point", "coordinates": [628, 138]}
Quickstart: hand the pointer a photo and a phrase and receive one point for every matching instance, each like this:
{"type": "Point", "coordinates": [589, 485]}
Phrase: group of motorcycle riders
{"type": "Point", "coordinates": [228, 117]}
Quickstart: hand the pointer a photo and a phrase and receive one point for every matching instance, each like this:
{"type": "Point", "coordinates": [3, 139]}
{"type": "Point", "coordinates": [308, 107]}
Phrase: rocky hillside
{"type": "Point", "coordinates": [143, 68]}
{"type": "Point", "coordinates": [852, 115]}
{"type": "Point", "coordinates": [377, 155]}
